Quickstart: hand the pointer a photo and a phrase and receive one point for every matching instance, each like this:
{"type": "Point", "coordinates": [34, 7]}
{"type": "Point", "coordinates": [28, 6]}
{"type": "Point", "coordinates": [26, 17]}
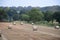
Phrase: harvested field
{"type": "Point", "coordinates": [25, 32]}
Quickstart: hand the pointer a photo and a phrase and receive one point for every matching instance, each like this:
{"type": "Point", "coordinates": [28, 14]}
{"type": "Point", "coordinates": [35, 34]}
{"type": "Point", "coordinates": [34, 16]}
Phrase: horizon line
{"type": "Point", "coordinates": [30, 6]}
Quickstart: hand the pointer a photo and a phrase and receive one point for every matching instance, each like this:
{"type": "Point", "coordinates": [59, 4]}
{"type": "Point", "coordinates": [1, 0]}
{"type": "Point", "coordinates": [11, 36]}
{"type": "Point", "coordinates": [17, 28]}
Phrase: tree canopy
{"type": "Point", "coordinates": [3, 14]}
{"type": "Point", "coordinates": [35, 15]}
{"type": "Point", "coordinates": [56, 16]}
{"type": "Point", "coordinates": [48, 15]}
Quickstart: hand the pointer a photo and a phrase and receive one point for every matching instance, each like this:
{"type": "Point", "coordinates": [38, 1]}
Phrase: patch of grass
{"type": "Point", "coordinates": [45, 23]}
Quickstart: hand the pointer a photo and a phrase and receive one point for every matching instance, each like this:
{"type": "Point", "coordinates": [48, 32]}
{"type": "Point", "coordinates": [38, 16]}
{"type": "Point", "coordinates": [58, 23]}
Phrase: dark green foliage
{"type": "Point", "coordinates": [25, 17]}
{"type": "Point", "coordinates": [3, 15]}
{"type": "Point", "coordinates": [15, 17]}
{"type": "Point", "coordinates": [35, 15]}
{"type": "Point", "coordinates": [31, 14]}
{"type": "Point", "coordinates": [56, 16]}
{"type": "Point", "coordinates": [48, 16]}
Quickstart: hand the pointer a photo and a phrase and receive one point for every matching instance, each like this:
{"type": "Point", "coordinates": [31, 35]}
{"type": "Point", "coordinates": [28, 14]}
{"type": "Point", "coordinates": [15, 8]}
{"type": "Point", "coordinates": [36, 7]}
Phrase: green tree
{"type": "Point", "coordinates": [56, 16]}
{"type": "Point", "coordinates": [25, 17]}
{"type": "Point", "coordinates": [3, 15]}
{"type": "Point", "coordinates": [11, 13]}
{"type": "Point", "coordinates": [15, 17]}
{"type": "Point", "coordinates": [35, 15]}
{"type": "Point", "coordinates": [48, 16]}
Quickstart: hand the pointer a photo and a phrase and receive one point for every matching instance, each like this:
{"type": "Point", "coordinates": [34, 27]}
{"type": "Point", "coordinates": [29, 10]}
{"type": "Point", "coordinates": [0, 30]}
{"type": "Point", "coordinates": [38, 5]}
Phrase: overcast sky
{"type": "Point", "coordinates": [34, 3]}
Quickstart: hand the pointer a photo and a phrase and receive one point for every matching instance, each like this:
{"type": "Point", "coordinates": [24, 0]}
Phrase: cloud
{"type": "Point", "coordinates": [29, 2]}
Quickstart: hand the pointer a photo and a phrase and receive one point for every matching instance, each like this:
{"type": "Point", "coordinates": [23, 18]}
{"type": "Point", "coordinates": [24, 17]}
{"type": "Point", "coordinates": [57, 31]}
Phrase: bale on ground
{"type": "Point", "coordinates": [32, 23]}
{"type": "Point", "coordinates": [35, 28]}
{"type": "Point", "coordinates": [14, 23]}
{"type": "Point", "coordinates": [21, 23]}
{"type": "Point", "coordinates": [9, 27]}
{"type": "Point", "coordinates": [57, 27]}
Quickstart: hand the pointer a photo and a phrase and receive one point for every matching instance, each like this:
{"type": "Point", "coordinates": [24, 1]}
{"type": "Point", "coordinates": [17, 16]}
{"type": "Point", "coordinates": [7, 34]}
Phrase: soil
{"type": "Point", "coordinates": [25, 32]}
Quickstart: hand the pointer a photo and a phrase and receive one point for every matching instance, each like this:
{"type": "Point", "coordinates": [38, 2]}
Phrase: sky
{"type": "Point", "coordinates": [33, 3]}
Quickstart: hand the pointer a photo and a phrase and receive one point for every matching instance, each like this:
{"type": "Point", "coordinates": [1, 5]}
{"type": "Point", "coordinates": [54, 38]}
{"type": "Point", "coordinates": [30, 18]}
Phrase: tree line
{"type": "Point", "coordinates": [34, 15]}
